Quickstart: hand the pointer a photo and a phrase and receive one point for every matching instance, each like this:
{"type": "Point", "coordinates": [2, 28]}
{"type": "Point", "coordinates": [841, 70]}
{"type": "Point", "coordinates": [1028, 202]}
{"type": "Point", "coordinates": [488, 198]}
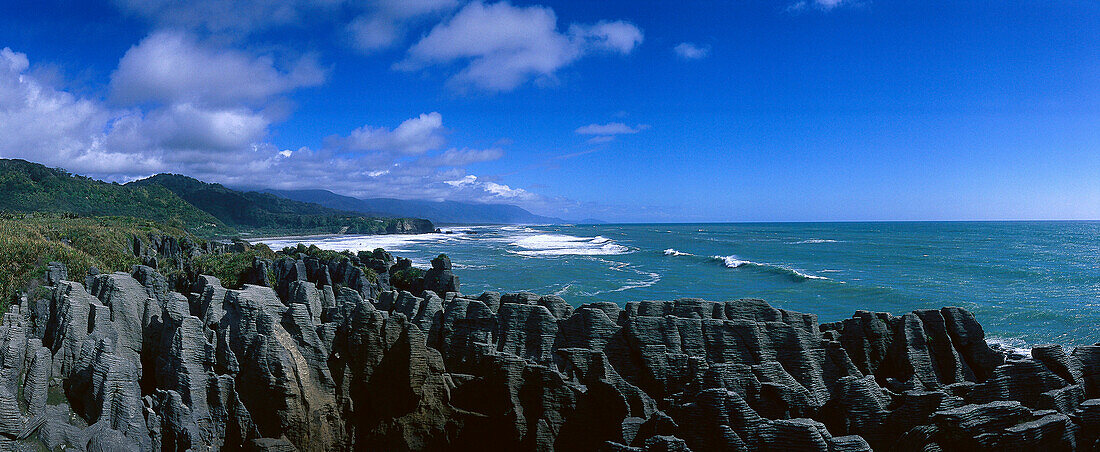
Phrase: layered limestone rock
{"type": "Point", "coordinates": [322, 357]}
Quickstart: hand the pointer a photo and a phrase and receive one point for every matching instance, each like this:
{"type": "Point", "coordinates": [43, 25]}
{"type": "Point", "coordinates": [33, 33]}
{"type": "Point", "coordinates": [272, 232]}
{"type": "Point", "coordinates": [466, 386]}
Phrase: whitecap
{"type": "Point", "coordinates": [651, 278]}
{"type": "Point", "coordinates": [563, 290]}
{"type": "Point", "coordinates": [563, 245]}
{"type": "Point", "coordinates": [811, 241]}
{"type": "Point", "coordinates": [389, 242]}
{"type": "Point", "coordinates": [672, 252]}
{"type": "Point", "coordinates": [732, 261]}
{"type": "Point", "coordinates": [802, 275]}
{"type": "Point", "coordinates": [1009, 346]}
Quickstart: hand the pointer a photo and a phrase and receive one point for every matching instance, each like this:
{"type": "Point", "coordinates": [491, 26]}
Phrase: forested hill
{"type": "Point", "coordinates": [267, 212]}
{"type": "Point", "coordinates": [204, 209]}
{"type": "Point", "coordinates": [27, 187]}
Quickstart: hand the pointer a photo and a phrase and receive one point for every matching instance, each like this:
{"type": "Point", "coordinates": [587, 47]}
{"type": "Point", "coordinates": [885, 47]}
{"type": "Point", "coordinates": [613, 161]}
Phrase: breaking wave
{"type": "Point", "coordinates": [1011, 347]}
{"type": "Point", "coordinates": [809, 241]}
{"type": "Point", "coordinates": [736, 262]}
{"type": "Point", "coordinates": [564, 245]}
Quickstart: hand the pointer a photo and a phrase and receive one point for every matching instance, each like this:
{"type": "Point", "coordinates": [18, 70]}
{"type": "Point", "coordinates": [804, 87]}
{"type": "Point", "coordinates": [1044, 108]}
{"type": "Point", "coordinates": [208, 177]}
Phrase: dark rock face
{"type": "Point", "coordinates": [440, 279]}
{"type": "Point", "coordinates": [410, 226]}
{"type": "Point", "coordinates": [324, 360]}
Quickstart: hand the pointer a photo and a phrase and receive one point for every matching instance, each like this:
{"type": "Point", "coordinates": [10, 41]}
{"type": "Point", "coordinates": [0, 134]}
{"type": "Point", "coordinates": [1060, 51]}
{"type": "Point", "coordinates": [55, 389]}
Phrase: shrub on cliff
{"type": "Point", "coordinates": [410, 279]}
{"type": "Point", "coordinates": [29, 241]}
{"type": "Point", "coordinates": [231, 268]}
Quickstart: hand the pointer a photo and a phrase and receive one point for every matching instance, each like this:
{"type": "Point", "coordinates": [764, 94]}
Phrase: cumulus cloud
{"type": "Point", "coordinates": [240, 17]}
{"type": "Point", "coordinates": [689, 51]}
{"type": "Point", "coordinates": [386, 22]}
{"type": "Point", "coordinates": [41, 123]}
{"type": "Point", "coordinates": [499, 46]}
{"type": "Point", "coordinates": [495, 190]}
{"type": "Point", "coordinates": [174, 67]}
{"type": "Point", "coordinates": [618, 36]}
{"type": "Point", "coordinates": [183, 126]}
{"type": "Point", "coordinates": [413, 136]}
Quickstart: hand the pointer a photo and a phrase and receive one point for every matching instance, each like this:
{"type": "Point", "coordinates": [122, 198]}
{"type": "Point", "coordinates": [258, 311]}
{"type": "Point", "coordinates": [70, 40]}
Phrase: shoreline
{"type": "Point", "coordinates": [324, 236]}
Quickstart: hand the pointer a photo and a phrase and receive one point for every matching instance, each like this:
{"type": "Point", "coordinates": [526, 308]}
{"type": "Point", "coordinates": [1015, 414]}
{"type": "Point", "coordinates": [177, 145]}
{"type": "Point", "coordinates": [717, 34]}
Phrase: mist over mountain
{"type": "Point", "coordinates": [436, 211]}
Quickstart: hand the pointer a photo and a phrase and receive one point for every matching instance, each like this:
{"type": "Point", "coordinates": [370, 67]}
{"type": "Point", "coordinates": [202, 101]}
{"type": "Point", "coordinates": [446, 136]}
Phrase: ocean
{"type": "Point", "coordinates": [1027, 282]}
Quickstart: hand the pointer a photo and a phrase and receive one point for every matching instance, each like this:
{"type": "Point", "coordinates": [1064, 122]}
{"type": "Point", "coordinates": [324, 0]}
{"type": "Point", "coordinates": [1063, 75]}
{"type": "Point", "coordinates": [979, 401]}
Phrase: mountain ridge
{"type": "Point", "coordinates": [202, 208]}
{"type": "Point", "coordinates": [29, 187]}
{"type": "Point", "coordinates": [268, 212]}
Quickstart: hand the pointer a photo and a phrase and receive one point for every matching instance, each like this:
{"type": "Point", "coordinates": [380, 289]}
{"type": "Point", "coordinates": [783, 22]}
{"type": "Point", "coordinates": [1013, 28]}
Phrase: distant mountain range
{"type": "Point", "coordinates": [436, 211]}
{"type": "Point", "coordinates": [268, 212]}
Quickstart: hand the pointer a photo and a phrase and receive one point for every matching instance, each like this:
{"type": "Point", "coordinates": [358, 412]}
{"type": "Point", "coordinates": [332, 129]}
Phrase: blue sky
{"type": "Point", "coordinates": [764, 110]}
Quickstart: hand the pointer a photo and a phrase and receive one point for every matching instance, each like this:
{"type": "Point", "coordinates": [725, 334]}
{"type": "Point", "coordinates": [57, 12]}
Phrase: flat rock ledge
{"type": "Point", "coordinates": [120, 363]}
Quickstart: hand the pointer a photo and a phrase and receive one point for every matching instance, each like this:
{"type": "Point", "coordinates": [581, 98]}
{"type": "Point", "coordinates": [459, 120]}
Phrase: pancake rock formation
{"type": "Point", "coordinates": [327, 359]}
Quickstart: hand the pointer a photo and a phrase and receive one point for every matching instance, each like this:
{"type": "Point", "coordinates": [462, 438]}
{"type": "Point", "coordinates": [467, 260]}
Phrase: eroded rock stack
{"type": "Point", "coordinates": [327, 360]}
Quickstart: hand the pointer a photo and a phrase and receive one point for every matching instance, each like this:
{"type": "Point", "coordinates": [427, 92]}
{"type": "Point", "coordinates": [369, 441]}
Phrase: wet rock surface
{"type": "Point", "coordinates": [329, 359]}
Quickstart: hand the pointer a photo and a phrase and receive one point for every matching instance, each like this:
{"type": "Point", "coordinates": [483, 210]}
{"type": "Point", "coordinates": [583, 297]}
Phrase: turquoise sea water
{"type": "Point", "coordinates": [1027, 282]}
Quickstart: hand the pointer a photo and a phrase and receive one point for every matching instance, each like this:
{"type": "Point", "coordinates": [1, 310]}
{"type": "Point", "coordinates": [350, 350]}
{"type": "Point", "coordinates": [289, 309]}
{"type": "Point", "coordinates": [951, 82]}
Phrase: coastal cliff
{"type": "Point", "coordinates": [339, 351]}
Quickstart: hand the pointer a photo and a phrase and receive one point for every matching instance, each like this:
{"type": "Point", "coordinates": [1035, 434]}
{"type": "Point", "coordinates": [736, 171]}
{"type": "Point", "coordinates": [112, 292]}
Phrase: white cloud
{"type": "Point", "coordinates": [183, 126]}
{"type": "Point", "coordinates": [500, 46]}
{"type": "Point", "coordinates": [240, 17]}
{"type": "Point", "coordinates": [491, 191]}
{"type": "Point", "coordinates": [387, 21]}
{"type": "Point", "coordinates": [605, 133]}
{"type": "Point", "coordinates": [618, 36]}
{"type": "Point", "coordinates": [173, 67]}
{"type": "Point", "coordinates": [611, 128]}
{"type": "Point", "coordinates": [413, 136]}
{"type": "Point", "coordinates": [43, 124]}
{"type": "Point", "coordinates": [821, 5]}
{"type": "Point", "coordinates": [689, 51]}
{"type": "Point", "coordinates": [463, 157]}
{"type": "Point", "coordinates": [601, 139]}
{"type": "Point", "coordinates": [464, 182]}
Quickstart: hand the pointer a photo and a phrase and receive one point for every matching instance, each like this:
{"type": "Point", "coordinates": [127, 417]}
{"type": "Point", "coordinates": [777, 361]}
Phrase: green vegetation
{"type": "Point", "coordinates": [267, 213]}
{"type": "Point", "coordinates": [48, 214]}
{"type": "Point", "coordinates": [407, 279]}
{"type": "Point", "coordinates": [206, 210]}
{"type": "Point", "coordinates": [231, 268]}
{"type": "Point", "coordinates": [29, 187]}
{"type": "Point", "coordinates": [30, 241]}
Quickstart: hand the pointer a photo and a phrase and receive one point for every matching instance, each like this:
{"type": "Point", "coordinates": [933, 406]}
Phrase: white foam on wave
{"type": "Point", "coordinates": [565, 245]}
{"type": "Point", "coordinates": [389, 242]}
{"type": "Point", "coordinates": [732, 261]}
{"type": "Point", "coordinates": [649, 278]}
{"type": "Point", "coordinates": [811, 241]}
{"type": "Point", "coordinates": [1009, 346]}
{"type": "Point", "coordinates": [672, 252]}
{"type": "Point", "coordinates": [803, 275]}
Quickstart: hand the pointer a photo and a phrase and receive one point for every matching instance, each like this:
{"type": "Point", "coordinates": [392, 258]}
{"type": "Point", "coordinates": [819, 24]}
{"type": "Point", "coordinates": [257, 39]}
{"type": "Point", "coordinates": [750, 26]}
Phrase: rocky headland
{"type": "Point", "coordinates": [365, 352]}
